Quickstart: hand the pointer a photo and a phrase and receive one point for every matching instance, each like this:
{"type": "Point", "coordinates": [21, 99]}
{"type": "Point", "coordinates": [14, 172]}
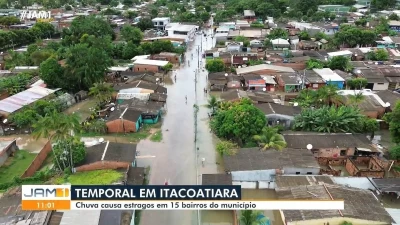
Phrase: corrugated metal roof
{"type": "Point", "coordinates": [90, 217]}
{"type": "Point", "coordinates": [17, 101]}
{"type": "Point", "coordinates": [395, 214]}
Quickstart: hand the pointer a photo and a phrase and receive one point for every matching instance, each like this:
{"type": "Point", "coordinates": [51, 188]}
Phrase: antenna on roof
{"type": "Point", "coordinates": [112, 109]}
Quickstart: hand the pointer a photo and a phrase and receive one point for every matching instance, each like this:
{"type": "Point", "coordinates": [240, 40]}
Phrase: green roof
{"type": "Point", "coordinates": [334, 8]}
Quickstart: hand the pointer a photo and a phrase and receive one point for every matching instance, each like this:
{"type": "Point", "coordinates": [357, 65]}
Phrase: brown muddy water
{"type": "Point", "coordinates": [227, 217]}
{"type": "Point", "coordinates": [26, 142]}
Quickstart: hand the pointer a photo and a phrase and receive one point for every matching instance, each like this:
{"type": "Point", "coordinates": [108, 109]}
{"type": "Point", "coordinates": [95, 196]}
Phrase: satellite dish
{"type": "Point", "coordinates": [5, 121]}
{"type": "Point", "coordinates": [226, 74]}
{"type": "Point", "coordinates": [295, 104]}
{"type": "Point", "coordinates": [264, 89]}
{"type": "Point", "coordinates": [112, 109]}
{"type": "Point", "coordinates": [157, 79]}
{"type": "Point", "coordinates": [101, 140]}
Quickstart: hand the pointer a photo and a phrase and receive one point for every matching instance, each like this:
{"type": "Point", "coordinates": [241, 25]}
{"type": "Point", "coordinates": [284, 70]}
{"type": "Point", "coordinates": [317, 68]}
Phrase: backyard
{"type": "Point", "coordinates": [15, 166]}
{"type": "Point", "coordinates": [98, 177]}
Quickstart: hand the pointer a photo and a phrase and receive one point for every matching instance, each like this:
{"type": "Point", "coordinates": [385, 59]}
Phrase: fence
{"type": "Point", "coordinates": [38, 161]}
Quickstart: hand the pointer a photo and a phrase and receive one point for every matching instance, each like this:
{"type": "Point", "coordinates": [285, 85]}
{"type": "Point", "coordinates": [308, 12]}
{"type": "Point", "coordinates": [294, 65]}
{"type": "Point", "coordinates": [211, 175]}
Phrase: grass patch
{"type": "Point", "coordinates": [157, 136]}
{"type": "Point", "coordinates": [98, 177]}
{"type": "Point", "coordinates": [15, 166]}
{"type": "Point", "coordinates": [132, 137]}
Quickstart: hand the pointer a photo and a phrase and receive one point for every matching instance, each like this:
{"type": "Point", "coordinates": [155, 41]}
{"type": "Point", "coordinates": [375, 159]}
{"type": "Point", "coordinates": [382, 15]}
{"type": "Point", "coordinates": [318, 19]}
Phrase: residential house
{"type": "Point", "coordinates": [389, 186]}
{"type": "Point", "coordinates": [392, 75]}
{"type": "Point", "coordinates": [327, 28]}
{"type": "Point", "coordinates": [184, 31]}
{"type": "Point", "coordinates": [124, 121]}
{"type": "Point", "coordinates": [256, 44]}
{"type": "Point", "coordinates": [389, 97]}
{"type": "Point", "coordinates": [251, 34]}
{"type": "Point", "coordinates": [243, 59]}
{"type": "Point", "coordinates": [360, 206]}
{"type": "Point", "coordinates": [242, 24]}
{"type": "Point", "coordinates": [280, 44]}
{"type": "Point", "coordinates": [150, 87]}
{"type": "Point", "coordinates": [371, 105]}
{"type": "Point", "coordinates": [313, 80]}
{"type": "Point", "coordinates": [376, 80]}
{"type": "Point", "coordinates": [345, 53]}
{"type": "Point", "coordinates": [394, 25]}
{"type": "Point", "coordinates": [254, 82]}
{"type": "Point", "coordinates": [270, 82]}
{"type": "Point", "coordinates": [330, 145]}
{"type": "Point", "coordinates": [263, 69]}
{"type": "Point", "coordinates": [307, 45]}
{"type": "Point", "coordinates": [217, 81]}
{"type": "Point", "coordinates": [233, 46]}
{"type": "Point", "coordinates": [171, 57]}
{"type": "Point", "coordinates": [249, 15]}
{"type": "Point", "coordinates": [156, 97]}
{"type": "Point", "coordinates": [108, 155]}
{"type": "Point", "coordinates": [255, 169]}
{"type": "Point", "coordinates": [230, 25]}
{"type": "Point", "coordinates": [288, 82]}
{"type": "Point", "coordinates": [150, 110]}
{"type": "Point", "coordinates": [16, 102]}
{"type": "Point", "coordinates": [7, 149]}
{"type": "Point", "coordinates": [161, 22]}
{"type": "Point", "coordinates": [144, 65]}
{"type": "Point", "coordinates": [330, 77]}
{"type": "Point", "coordinates": [278, 114]}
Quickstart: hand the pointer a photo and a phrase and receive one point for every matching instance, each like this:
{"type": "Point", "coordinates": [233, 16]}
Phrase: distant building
{"type": "Point", "coordinates": [161, 22]}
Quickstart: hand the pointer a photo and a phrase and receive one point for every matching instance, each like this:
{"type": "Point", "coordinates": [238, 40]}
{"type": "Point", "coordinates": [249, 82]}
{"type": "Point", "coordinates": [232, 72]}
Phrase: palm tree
{"type": "Point", "coordinates": [250, 217]}
{"type": "Point", "coordinates": [356, 99]}
{"type": "Point", "coordinates": [212, 103]}
{"type": "Point", "coordinates": [328, 94]}
{"type": "Point", "coordinates": [306, 98]}
{"type": "Point", "coordinates": [270, 138]}
{"type": "Point", "coordinates": [102, 92]}
{"type": "Point", "coordinates": [55, 127]}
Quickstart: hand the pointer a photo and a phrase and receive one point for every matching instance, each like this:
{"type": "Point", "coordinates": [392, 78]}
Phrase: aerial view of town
{"type": "Point", "coordinates": [291, 99]}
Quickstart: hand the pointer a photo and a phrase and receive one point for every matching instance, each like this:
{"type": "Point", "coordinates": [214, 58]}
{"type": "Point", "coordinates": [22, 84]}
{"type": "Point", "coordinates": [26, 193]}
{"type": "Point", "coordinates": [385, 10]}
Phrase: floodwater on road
{"type": "Point", "coordinates": [27, 142]}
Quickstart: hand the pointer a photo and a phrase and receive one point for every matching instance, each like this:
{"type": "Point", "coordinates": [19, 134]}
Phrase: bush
{"type": "Point", "coordinates": [226, 148]}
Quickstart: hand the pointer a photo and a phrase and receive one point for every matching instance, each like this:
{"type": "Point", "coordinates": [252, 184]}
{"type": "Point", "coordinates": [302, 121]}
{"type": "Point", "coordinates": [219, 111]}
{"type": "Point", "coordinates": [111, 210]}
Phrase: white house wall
{"type": "Point", "coordinates": [246, 185]}
{"type": "Point", "coordinates": [301, 171]}
{"type": "Point", "coordinates": [380, 86]}
{"type": "Point", "coordinates": [253, 176]}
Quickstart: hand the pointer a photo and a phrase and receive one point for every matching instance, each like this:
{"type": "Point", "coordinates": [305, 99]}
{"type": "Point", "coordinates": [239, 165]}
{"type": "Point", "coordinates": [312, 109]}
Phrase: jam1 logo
{"type": "Point", "coordinates": [35, 15]}
{"type": "Point", "coordinates": [45, 191]}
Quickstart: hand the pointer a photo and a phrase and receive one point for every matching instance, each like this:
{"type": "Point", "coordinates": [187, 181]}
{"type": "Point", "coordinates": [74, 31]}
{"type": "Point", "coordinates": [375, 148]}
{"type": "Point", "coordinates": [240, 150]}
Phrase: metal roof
{"type": "Point", "coordinates": [151, 62]}
{"type": "Point", "coordinates": [17, 101]}
{"type": "Point", "coordinates": [81, 217]}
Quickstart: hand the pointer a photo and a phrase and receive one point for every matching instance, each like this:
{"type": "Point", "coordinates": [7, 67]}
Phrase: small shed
{"type": "Point", "coordinates": [124, 121]}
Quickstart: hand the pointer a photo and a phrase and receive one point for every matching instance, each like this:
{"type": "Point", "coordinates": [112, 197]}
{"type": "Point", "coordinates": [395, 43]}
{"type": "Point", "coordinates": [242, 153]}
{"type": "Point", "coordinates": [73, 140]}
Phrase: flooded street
{"type": "Point", "coordinates": [26, 142]}
{"type": "Point", "coordinates": [174, 159]}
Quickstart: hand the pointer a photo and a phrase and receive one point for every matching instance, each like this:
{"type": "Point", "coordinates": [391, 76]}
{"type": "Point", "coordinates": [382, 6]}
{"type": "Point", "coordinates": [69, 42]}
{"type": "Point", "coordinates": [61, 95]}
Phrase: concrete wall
{"type": "Point", "coordinates": [333, 152]}
{"type": "Point", "coordinates": [8, 151]}
{"type": "Point", "coordinates": [380, 86]}
{"type": "Point", "coordinates": [373, 168]}
{"type": "Point", "coordinates": [38, 161]}
{"type": "Point", "coordinates": [301, 171]}
{"type": "Point", "coordinates": [145, 68]}
{"type": "Point", "coordinates": [102, 165]}
{"type": "Point", "coordinates": [121, 126]}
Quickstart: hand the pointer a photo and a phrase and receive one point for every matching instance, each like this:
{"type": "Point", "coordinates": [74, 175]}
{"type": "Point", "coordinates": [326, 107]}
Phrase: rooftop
{"type": "Point", "coordinates": [373, 75]}
{"type": "Point", "coordinates": [340, 53]}
{"type": "Point", "coordinates": [272, 108]}
{"type": "Point", "coordinates": [142, 61]}
{"type": "Point", "coordinates": [369, 103]}
{"type": "Point", "coordinates": [387, 184]}
{"type": "Point", "coordinates": [389, 96]}
{"type": "Point", "coordinates": [300, 140]}
{"type": "Point", "coordinates": [249, 33]}
{"type": "Point", "coordinates": [150, 86]}
{"type": "Point", "coordinates": [19, 100]}
{"type": "Point", "coordinates": [254, 159]}
{"type": "Point", "coordinates": [110, 151]}
{"type": "Point", "coordinates": [149, 107]}
{"type": "Point", "coordinates": [313, 77]}
{"type": "Point", "coordinates": [290, 78]}
{"type": "Point", "coordinates": [216, 179]}
{"type": "Point", "coordinates": [180, 27]}
{"type": "Point", "coordinates": [358, 203]}
{"type": "Point", "coordinates": [127, 114]}
{"type": "Point", "coordinates": [328, 75]}
{"type": "Point", "coordinates": [295, 181]}
{"type": "Point", "coordinates": [157, 97]}
{"type": "Point", "coordinates": [249, 13]}
{"type": "Point", "coordinates": [250, 69]}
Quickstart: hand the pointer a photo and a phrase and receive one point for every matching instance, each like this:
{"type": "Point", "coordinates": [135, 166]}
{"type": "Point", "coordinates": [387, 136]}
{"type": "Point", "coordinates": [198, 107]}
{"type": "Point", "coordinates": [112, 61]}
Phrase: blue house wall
{"type": "Point", "coordinates": [138, 122]}
{"type": "Point", "coordinates": [152, 120]}
{"type": "Point", "coordinates": [338, 84]}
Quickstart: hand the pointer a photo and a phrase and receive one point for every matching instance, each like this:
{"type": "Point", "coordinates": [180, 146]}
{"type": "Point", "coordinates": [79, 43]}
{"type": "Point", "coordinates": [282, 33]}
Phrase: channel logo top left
{"type": "Point", "coordinates": [46, 192]}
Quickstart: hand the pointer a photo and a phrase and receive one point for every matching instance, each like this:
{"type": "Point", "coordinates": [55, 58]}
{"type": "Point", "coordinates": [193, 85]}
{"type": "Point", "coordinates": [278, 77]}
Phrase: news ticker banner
{"type": "Point", "coordinates": [156, 197]}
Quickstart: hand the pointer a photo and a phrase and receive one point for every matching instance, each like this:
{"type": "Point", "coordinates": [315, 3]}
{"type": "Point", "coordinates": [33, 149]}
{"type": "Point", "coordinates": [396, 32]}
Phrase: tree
{"type": "Point", "coordinates": [243, 39]}
{"type": "Point", "coordinates": [356, 99]}
{"type": "Point", "coordinates": [330, 119]}
{"type": "Point", "coordinates": [56, 126]}
{"type": "Point", "coordinates": [250, 217]}
{"type": "Point", "coordinates": [240, 122]}
{"type": "Point", "coordinates": [226, 148]}
{"type": "Point", "coordinates": [315, 64]}
{"type": "Point", "coordinates": [306, 98]}
{"type": "Point", "coordinates": [361, 22]}
{"type": "Point", "coordinates": [102, 92]}
{"type": "Point", "coordinates": [394, 152]}
{"type": "Point", "coordinates": [393, 119]}
{"type": "Point", "coordinates": [133, 34]}
{"type": "Point", "coordinates": [357, 83]}
{"type": "Point", "coordinates": [340, 63]}
{"type": "Point", "coordinates": [144, 24]}
{"type": "Point", "coordinates": [168, 67]}
{"type": "Point", "coordinates": [9, 20]}
{"type": "Point", "coordinates": [15, 84]}
{"type": "Point", "coordinates": [304, 35]}
{"type": "Point", "coordinates": [69, 152]}
{"type": "Point", "coordinates": [378, 55]}
{"type": "Point", "coordinates": [278, 33]}
{"type": "Point", "coordinates": [370, 126]}
{"type": "Point", "coordinates": [328, 95]}
{"type": "Point", "coordinates": [270, 139]}
{"type": "Point", "coordinates": [39, 56]}
{"type": "Point", "coordinates": [86, 66]}
{"type": "Point", "coordinates": [26, 117]}
{"type": "Point", "coordinates": [212, 103]}
{"type": "Point", "coordinates": [215, 65]}
{"type": "Point", "coordinates": [90, 25]}
{"type": "Point", "coordinates": [50, 71]}
{"type": "Point", "coordinates": [257, 24]}
{"type": "Point", "coordinates": [393, 16]}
